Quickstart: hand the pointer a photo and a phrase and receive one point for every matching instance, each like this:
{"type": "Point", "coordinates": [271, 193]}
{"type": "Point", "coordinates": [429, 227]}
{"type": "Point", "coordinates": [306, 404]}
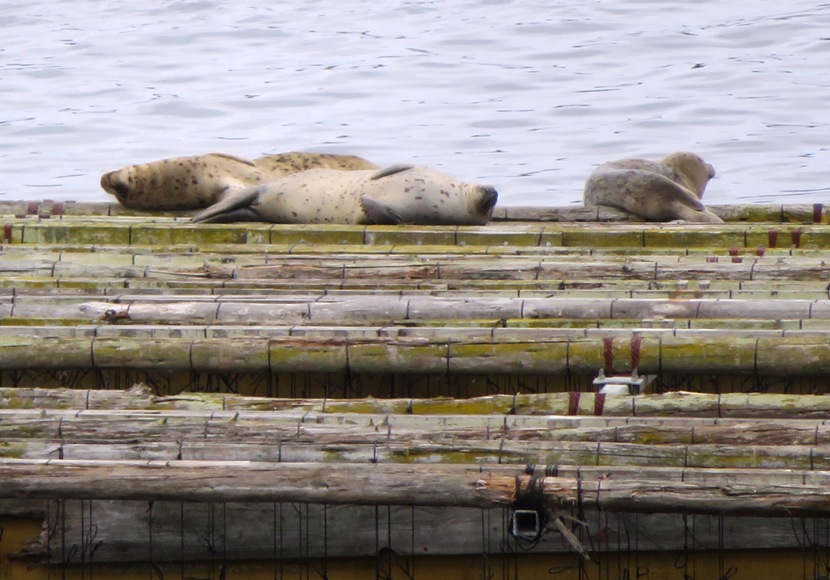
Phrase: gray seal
{"type": "Point", "coordinates": [181, 183]}
{"type": "Point", "coordinates": [400, 194]}
{"type": "Point", "coordinates": [199, 181]}
{"type": "Point", "coordinates": [665, 190]}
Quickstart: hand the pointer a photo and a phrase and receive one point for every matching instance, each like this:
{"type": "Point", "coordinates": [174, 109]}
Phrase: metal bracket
{"type": "Point", "coordinates": [622, 385]}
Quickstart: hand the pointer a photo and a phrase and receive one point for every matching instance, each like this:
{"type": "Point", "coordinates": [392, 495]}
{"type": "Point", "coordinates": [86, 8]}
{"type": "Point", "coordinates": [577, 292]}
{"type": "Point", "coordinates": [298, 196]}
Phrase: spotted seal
{"type": "Point", "coordinates": [665, 190]}
{"type": "Point", "coordinates": [196, 182]}
{"type": "Point", "coordinates": [181, 183]}
{"type": "Point", "coordinates": [400, 194]}
{"type": "Point", "coordinates": [280, 164]}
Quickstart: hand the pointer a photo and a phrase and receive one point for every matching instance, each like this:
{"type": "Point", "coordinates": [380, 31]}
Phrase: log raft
{"type": "Point", "coordinates": [439, 373]}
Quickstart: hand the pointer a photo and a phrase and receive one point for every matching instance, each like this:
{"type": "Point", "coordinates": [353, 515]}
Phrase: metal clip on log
{"type": "Point", "coordinates": [622, 385]}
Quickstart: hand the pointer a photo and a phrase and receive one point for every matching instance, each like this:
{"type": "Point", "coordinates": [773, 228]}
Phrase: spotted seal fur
{"type": "Point", "coordinates": [400, 194]}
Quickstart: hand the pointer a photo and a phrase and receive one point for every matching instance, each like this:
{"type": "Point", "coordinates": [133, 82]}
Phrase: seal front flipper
{"type": "Point", "coordinates": [378, 213]}
{"type": "Point", "coordinates": [391, 170]}
{"type": "Point", "coordinates": [232, 204]}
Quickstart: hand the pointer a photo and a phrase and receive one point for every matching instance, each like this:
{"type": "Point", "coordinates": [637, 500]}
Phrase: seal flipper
{"type": "Point", "coordinates": [391, 170]}
{"type": "Point", "coordinates": [379, 214]}
{"type": "Point", "coordinates": [229, 205]}
{"type": "Point", "coordinates": [244, 214]}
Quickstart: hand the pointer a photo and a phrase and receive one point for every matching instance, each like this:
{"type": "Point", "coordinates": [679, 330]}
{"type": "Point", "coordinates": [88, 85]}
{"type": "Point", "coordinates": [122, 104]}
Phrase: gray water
{"type": "Point", "coordinates": [523, 94]}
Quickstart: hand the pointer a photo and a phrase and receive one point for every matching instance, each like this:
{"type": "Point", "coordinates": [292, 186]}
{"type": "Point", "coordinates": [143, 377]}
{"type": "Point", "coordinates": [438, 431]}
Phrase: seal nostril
{"type": "Point", "coordinates": [489, 197]}
{"type": "Point", "coordinates": [121, 190]}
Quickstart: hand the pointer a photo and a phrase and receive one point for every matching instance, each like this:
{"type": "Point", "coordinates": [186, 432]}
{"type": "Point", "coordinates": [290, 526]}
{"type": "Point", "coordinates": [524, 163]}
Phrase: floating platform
{"type": "Point", "coordinates": [260, 400]}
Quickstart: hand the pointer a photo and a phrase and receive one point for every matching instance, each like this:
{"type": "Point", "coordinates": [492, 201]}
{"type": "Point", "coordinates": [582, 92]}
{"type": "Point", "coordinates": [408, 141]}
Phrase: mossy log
{"type": "Point", "coordinates": [807, 355]}
{"type": "Point", "coordinates": [160, 230]}
{"type": "Point", "coordinates": [506, 409]}
{"type": "Point", "coordinates": [799, 213]}
{"type": "Point", "coordinates": [291, 439]}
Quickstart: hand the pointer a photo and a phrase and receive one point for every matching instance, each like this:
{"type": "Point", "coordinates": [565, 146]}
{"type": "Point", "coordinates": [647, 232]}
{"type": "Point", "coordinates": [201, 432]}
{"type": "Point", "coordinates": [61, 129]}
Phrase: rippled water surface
{"type": "Point", "coordinates": [526, 95]}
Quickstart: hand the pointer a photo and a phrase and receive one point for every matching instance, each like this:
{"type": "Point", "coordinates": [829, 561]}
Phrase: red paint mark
{"type": "Point", "coordinates": [711, 259]}
{"type": "Point", "coordinates": [760, 251]}
{"type": "Point", "coordinates": [599, 403]}
{"type": "Point", "coordinates": [797, 238]}
{"type": "Point", "coordinates": [44, 216]}
{"type": "Point", "coordinates": [636, 341]}
{"type": "Point", "coordinates": [773, 238]}
{"type": "Point", "coordinates": [608, 353]}
{"type": "Point", "coordinates": [573, 402]}
{"type": "Point", "coordinates": [733, 251]}
{"type": "Point", "coordinates": [32, 208]}
{"type": "Point", "coordinates": [818, 209]}
{"type": "Point", "coordinates": [57, 209]}
{"type": "Point", "coordinates": [7, 233]}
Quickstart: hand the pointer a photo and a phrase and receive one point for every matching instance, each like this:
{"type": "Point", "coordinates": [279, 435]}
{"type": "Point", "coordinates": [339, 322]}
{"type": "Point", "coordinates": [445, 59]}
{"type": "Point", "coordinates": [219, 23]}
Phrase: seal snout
{"type": "Point", "coordinates": [711, 170]}
{"type": "Point", "coordinates": [487, 200]}
{"type": "Point", "coordinates": [111, 183]}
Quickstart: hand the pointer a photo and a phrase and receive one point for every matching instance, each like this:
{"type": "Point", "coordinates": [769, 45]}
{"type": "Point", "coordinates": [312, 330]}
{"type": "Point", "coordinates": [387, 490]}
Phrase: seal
{"type": "Point", "coordinates": [181, 183]}
{"type": "Point", "coordinates": [281, 164]}
{"type": "Point", "coordinates": [400, 194]}
{"type": "Point", "coordinates": [665, 190]}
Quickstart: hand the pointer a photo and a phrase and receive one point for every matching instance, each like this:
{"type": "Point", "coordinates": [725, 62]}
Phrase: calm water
{"type": "Point", "coordinates": [525, 95]}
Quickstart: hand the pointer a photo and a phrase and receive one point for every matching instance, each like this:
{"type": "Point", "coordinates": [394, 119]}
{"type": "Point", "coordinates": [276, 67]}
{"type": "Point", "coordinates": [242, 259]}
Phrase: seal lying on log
{"type": "Point", "coordinates": [400, 194]}
{"type": "Point", "coordinates": [196, 182]}
{"type": "Point", "coordinates": [665, 190]}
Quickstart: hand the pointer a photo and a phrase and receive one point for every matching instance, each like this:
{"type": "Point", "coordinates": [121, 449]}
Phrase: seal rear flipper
{"type": "Point", "coordinates": [244, 214]}
{"type": "Point", "coordinates": [228, 205]}
{"type": "Point", "coordinates": [391, 170]}
{"type": "Point", "coordinates": [379, 214]}
{"type": "Point", "coordinates": [689, 215]}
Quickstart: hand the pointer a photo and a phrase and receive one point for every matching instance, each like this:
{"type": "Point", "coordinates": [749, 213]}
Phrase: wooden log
{"type": "Point", "coordinates": [128, 531]}
{"type": "Point", "coordinates": [252, 481]}
{"type": "Point", "coordinates": [393, 485]}
{"type": "Point", "coordinates": [168, 231]}
{"type": "Point", "coordinates": [677, 404]}
{"type": "Point", "coordinates": [323, 309]}
{"type": "Point", "coordinates": [420, 450]}
{"type": "Point", "coordinates": [802, 213]}
{"type": "Point", "coordinates": [326, 428]}
{"type": "Point", "coordinates": [772, 356]}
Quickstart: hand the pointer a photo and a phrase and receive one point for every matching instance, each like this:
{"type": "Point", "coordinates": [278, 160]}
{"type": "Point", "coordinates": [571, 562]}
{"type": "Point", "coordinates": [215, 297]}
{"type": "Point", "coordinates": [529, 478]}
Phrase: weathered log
{"type": "Point", "coordinates": [107, 427]}
{"type": "Point", "coordinates": [167, 231]}
{"type": "Point", "coordinates": [393, 485]}
{"type": "Point", "coordinates": [508, 409]}
{"type": "Point", "coordinates": [176, 531]}
{"type": "Point", "coordinates": [807, 355]}
{"type": "Point", "coordinates": [802, 213]}
{"type": "Point", "coordinates": [344, 309]}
